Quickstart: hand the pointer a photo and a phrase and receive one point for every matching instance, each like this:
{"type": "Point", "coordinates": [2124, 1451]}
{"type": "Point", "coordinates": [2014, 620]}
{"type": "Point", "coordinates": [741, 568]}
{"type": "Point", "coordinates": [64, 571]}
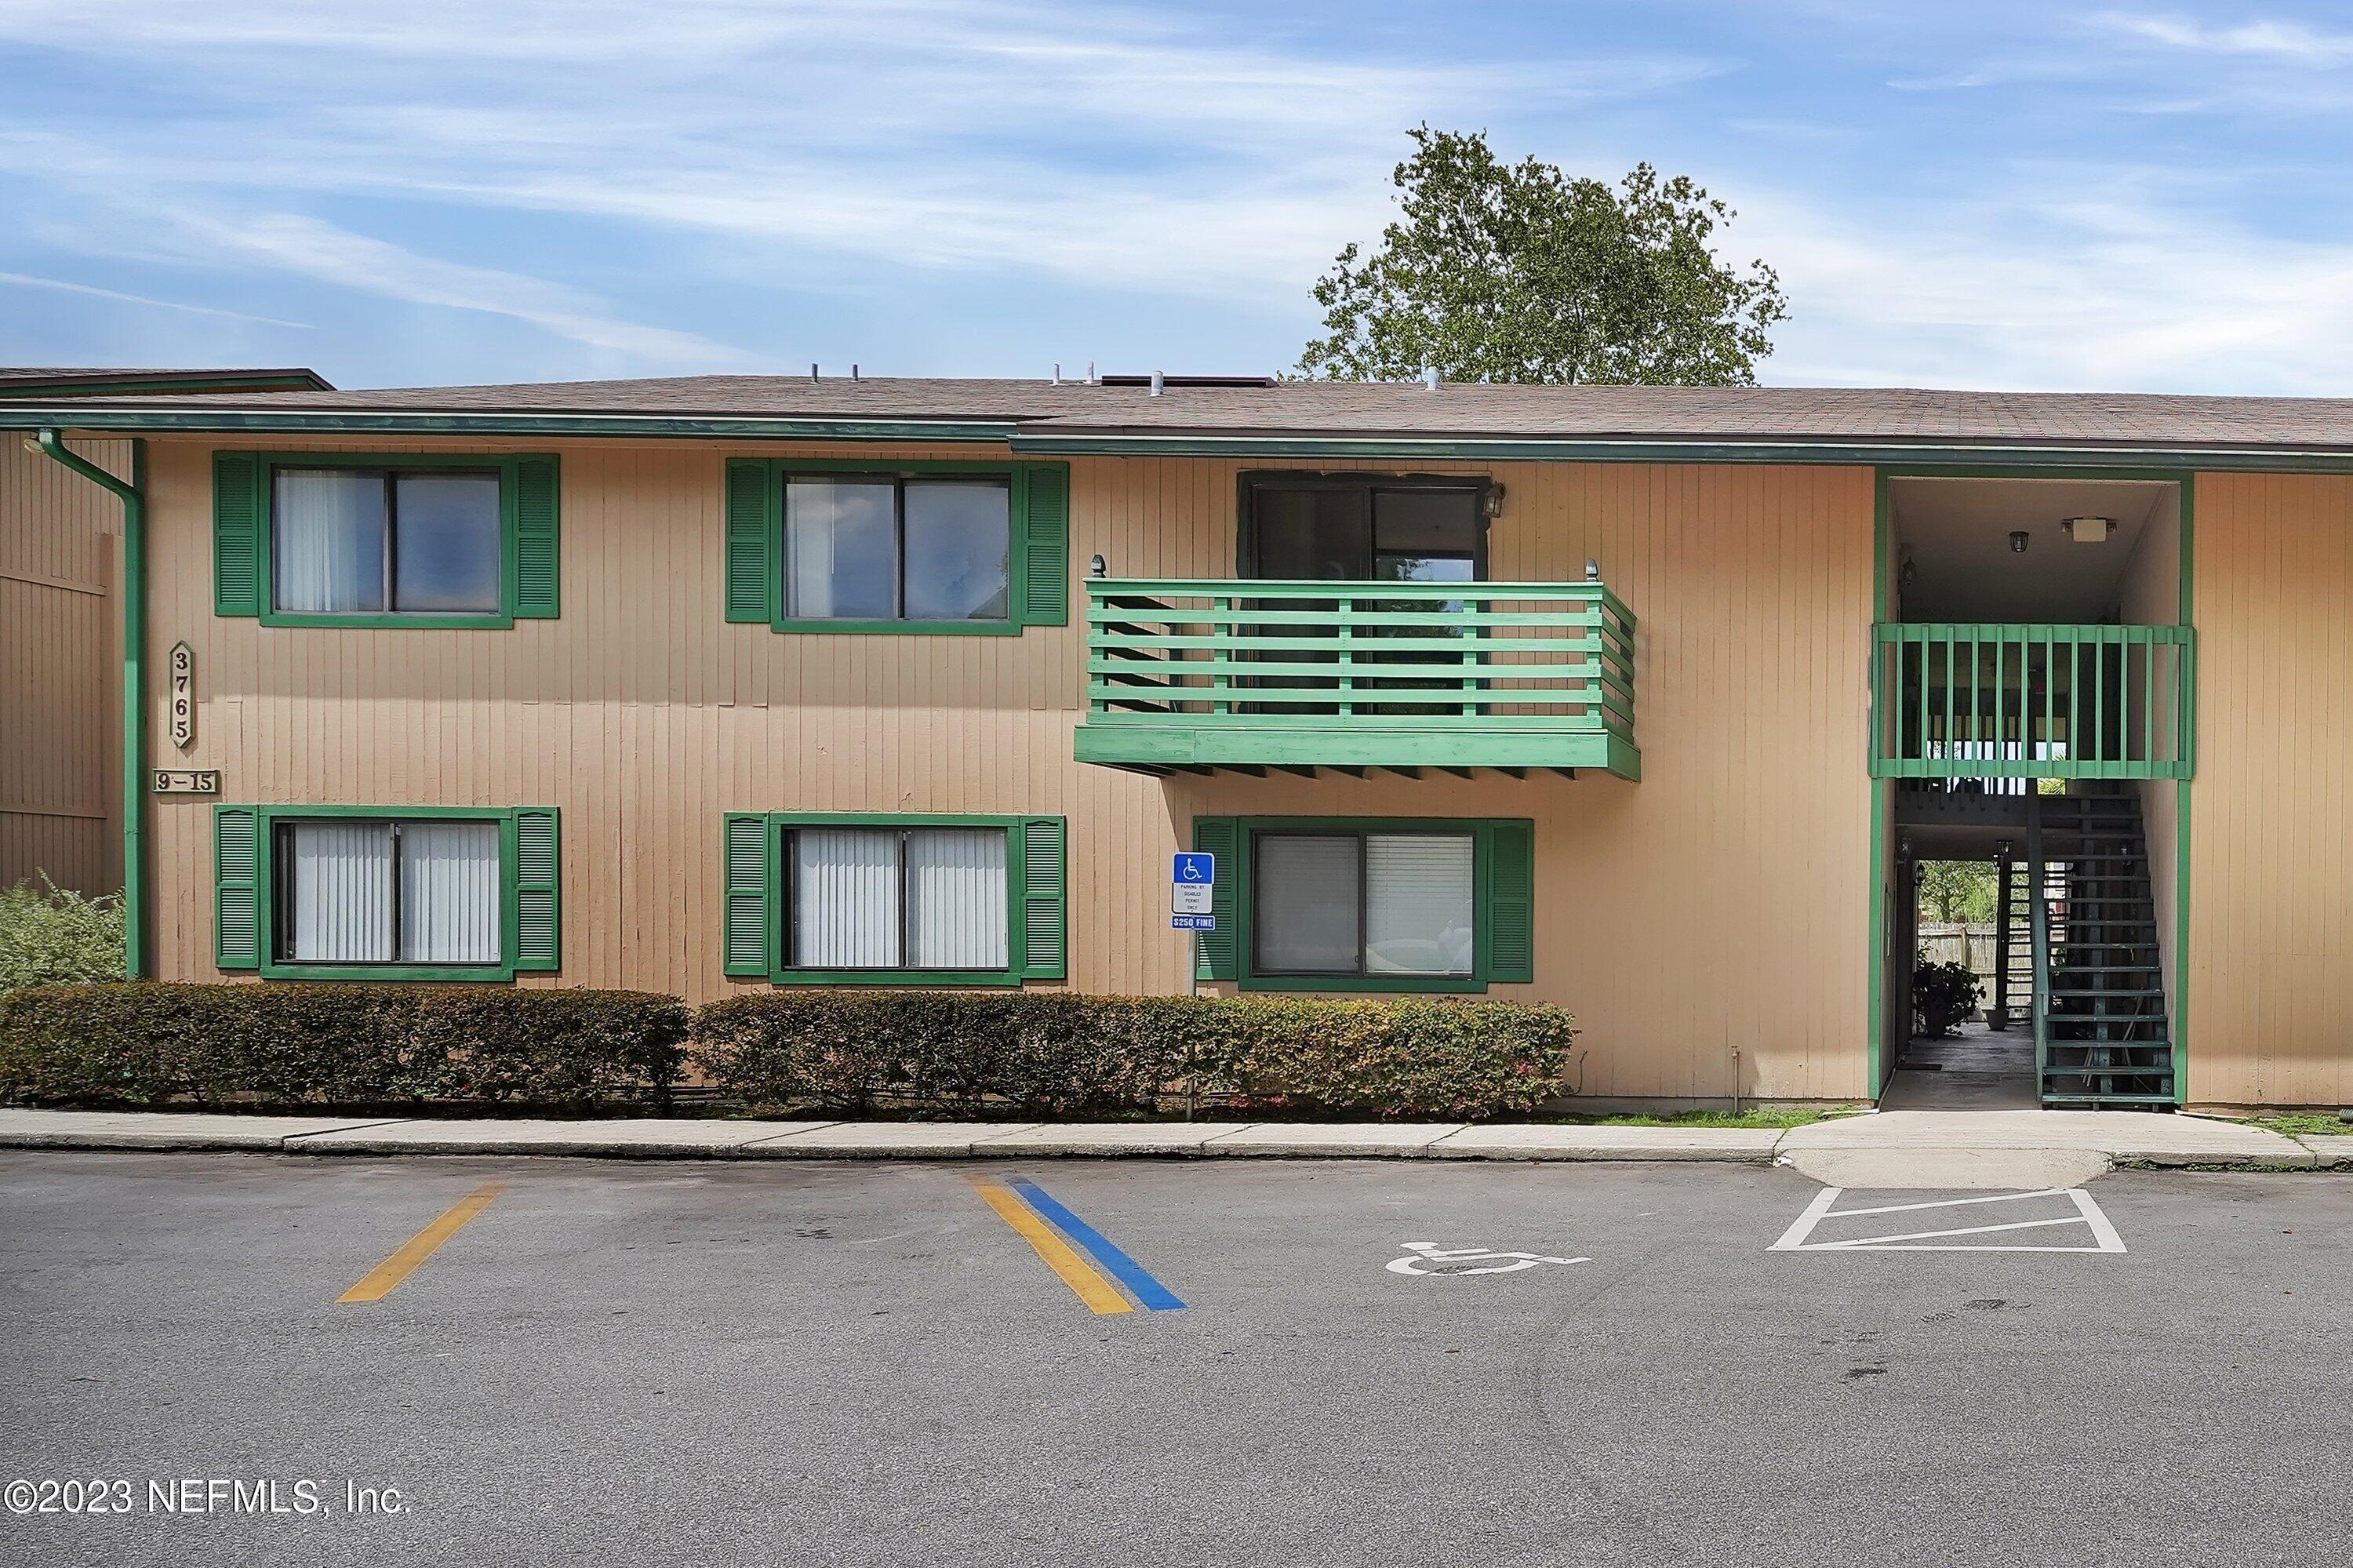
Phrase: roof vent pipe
{"type": "Point", "coordinates": [1093, 379]}
{"type": "Point", "coordinates": [1057, 373]}
{"type": "Point", "coordinates": [812, 370]}
{"type": "Point", "coordinates": [1429, 377]}
{"type": "Point", "coordinates": [853, 370]}
{"type": "Point", "coordinates": [1159, 383]}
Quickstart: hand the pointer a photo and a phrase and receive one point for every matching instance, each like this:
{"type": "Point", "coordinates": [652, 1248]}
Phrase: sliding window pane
{"type": "Point", "coordinates": [959, 549]}
{"type": "Point", "coordinates": [844, 898]}
{"type": "Point", "coordinates": [445, 543]}
{"type": "Point", "coordinates": [1418, 904]}
{"type": "Point", "coordinates": [338, 882]}
{"type": "Point", "coordinates": [327, 542]}
{"type": "Point", "coordinates": [955, 898]}
{"type": "Point", "coordinates": [449, 885]}
{"type": "Point", "coordinates": [1305, 908]}
{"type": "Point", "coordinates": [843, 549]}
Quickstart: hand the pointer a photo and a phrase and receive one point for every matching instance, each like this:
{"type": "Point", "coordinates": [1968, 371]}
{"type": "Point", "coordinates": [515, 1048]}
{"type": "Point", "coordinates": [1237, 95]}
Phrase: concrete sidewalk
{"type": "Point", "coordinates": [1883, 1148]}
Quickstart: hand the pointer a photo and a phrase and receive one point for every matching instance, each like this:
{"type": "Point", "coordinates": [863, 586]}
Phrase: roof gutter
{"type": "Point", "coordinates": [1925, 455]}
{"type": "Point", "coordinates": [164, 419]}
{"type": "Point", "coordinates": [134, 647]}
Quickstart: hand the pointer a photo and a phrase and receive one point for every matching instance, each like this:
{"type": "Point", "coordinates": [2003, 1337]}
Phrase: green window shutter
{"type": "Point", "coordinates": [537, 485]}
{"type": "Point", "coordinates": [538, 889]}
{"type": "Point", "coordinates": [751, 575]}
{"type": "Point", "coordinates": [1045, 921]}
{"type": "Point", "coordinates": [1510, 912]}
{"type": "Point", "coordinates": [1217, 955]}
{"type": "Point", "coordinates": [241, 529]}
{"type": "Point", "coordinates": [236, 887]}
{"type": "Point", "coordinates": [746, 890]}
{"type": "Point", "coordinates": [1045, 525]}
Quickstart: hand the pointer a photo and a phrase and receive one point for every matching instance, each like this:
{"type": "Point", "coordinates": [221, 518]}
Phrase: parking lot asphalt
{"type": "Point", "coordinates": [881, 1363]}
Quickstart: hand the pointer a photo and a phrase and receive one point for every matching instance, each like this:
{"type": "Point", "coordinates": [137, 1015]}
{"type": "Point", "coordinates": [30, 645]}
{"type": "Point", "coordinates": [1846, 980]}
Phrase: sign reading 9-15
{"type": "Point", "coordinates": [1190, 877]}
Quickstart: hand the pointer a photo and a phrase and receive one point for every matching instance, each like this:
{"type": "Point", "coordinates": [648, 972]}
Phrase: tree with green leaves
{"type": "Point", "coordinates": [1957, 890]}
{"type": "Point", "coordinates": [1519, 273]}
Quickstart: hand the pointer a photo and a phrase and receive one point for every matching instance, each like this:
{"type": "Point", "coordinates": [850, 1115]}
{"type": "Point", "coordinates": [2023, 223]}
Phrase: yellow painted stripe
{"type": "Point", "coordinates": [384, 1277]}
{"type": "Point", "coordinates": [1092, 1288]}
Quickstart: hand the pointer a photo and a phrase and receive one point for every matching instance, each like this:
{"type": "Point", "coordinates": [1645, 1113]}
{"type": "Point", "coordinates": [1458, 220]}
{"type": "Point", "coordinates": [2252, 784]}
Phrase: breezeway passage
{"type": "Point", "coordinates": [860, 1363]}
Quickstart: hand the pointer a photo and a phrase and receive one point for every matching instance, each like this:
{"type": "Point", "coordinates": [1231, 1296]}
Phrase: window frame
{"type": "Point", "coordinates": [268, 888]}
{"type": "Point", "coordinates": [1362, 837]}
{"type": "Point", "coordinates": [1251, 481]}
{"type": "Point", "coordinates": [780, 914]}
{"type": "Point", "coordinates": [1249, 976]}
{"type": "Point", "coordinates": [1015, 478]}
{"type": "Point", "coordinates": [388, 465]}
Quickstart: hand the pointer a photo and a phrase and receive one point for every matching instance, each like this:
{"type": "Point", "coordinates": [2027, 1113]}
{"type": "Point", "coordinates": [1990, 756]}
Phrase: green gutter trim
{"type": "Point", "coordinates": [1046, 442]}
{"type": "Point", "coordinates": [84, 417]}
{"type": "Point", "coordinates": [134, 640]}
{"type": "Point", "coordinates": [1041, 438]}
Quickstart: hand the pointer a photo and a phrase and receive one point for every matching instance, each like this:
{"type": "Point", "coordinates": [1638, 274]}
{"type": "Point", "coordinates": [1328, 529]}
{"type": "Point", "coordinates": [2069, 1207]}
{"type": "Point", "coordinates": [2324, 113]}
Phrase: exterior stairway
{"type": "Point", "coordinates": [2103, 1035]}
{"type": "Point", "coordinates": [2014, 999]}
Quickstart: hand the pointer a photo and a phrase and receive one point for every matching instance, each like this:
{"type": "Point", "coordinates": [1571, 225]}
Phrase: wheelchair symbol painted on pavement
{"type": "Point", "coordinates": [1429, 1258]}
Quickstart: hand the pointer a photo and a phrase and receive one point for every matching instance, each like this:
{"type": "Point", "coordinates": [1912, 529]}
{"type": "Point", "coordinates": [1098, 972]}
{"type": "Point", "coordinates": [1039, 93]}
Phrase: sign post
{"type": "Point", "coordinates": [1192, 876]}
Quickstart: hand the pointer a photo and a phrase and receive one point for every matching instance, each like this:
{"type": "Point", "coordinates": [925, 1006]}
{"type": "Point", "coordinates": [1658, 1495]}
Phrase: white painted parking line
{"type": "Point", "coordinates": [1799, 1236]}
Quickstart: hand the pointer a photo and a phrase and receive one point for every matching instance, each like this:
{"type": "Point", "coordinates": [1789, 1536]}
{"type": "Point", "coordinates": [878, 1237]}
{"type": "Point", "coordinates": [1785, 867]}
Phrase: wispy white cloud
{"type": "Point", "coordinates": [26, 280]}
{"type": "Point", "coordinates": [2290, 42]}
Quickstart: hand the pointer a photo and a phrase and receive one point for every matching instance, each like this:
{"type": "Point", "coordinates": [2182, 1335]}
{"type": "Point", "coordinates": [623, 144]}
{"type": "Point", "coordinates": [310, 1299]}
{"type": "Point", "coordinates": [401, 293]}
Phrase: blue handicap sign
{"type": "Point", "coordinates": [1191, 868]}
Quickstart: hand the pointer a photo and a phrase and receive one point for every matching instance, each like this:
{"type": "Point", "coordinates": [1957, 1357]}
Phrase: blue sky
{"type": "Point", "coordinates": [2044, 195]}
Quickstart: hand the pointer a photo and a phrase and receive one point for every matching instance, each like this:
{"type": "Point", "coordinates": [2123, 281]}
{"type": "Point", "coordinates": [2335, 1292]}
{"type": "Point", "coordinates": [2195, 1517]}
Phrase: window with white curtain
{"type": "Point", "coordinates": [373, 541]}
{"type": "Point", "coordinates": [898, 898]}
{"type": "Point", "coordinates": [1362, 904]}
{"type": "Point", "coordinates": [873, 547]}
{"type": "Point", "coordinates": [374, 892]}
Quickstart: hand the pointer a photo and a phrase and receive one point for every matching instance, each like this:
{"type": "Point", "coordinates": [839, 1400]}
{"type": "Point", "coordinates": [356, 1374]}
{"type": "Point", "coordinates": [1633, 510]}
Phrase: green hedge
{"type": "Point", "coordinates": [338, 1044]}
{"type": "Point", "coordinates": [1045, 1053]}
{"type": "Point", "coordinates": [1056, 1053]}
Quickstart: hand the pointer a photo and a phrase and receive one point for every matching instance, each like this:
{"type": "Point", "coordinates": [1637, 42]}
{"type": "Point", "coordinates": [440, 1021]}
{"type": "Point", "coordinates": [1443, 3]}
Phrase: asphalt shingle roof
{"type": "Point", "coordinates": [1339, 409]}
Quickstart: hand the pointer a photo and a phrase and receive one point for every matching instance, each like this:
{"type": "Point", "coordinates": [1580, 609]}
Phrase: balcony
{"type": "Point", "coordinates": [2002, 703]}
{"type": "Point", "coordinates": [1246, 675]}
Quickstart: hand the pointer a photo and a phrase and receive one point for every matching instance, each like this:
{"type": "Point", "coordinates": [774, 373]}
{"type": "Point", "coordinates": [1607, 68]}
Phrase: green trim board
{"type": "Point", "coordinates": [244, 913]}
{"type": "Point", "coordinates": [2185, 611]}
{"type": "Point", "coordinates": [1043, 440]}
{"type": "Point", "coordinates": [1503, 897]}
{"type": "Point", "coordinates": [756, 886]}
{"type": "Point", "coordinates": [529, 490]}
{"type": "Point", "coordinates": [1038, 548]}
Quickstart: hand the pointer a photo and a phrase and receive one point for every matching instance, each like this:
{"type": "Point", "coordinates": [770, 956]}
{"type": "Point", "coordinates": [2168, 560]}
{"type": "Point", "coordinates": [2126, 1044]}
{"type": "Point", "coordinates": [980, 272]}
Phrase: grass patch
{"type": "Point", "coordinates": [2323, 1124]}
{"type": "Point", "coordinates": [1786, 1117]}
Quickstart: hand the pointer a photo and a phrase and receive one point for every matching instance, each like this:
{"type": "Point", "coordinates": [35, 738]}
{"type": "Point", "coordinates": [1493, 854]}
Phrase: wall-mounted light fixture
{"type": "Point", "coordinates": [2018, 541]}
{"type": "Point", "coordinates": [1494, 504]}
{"type": "Point", "coordinates": [1096, 566]}
{"type": "Point", "coordinates": [2090, 530]}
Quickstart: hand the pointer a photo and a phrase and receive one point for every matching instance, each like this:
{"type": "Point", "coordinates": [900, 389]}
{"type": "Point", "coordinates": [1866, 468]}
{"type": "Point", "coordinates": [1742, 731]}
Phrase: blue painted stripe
{"type": "Point", "coordinates": [1147, 1290]}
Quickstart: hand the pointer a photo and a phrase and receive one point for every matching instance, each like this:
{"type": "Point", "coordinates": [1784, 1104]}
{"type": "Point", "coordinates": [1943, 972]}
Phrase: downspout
{"type": "Point", "coordinates": [134, 648]}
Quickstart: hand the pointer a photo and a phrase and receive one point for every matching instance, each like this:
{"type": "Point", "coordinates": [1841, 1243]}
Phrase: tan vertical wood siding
{"type": "Point", "coordinates": [2271, 884]}
{"type": "Point", "coordinates": [61, 670]}
{"type": "Point", "coordinates": [1719, 903]}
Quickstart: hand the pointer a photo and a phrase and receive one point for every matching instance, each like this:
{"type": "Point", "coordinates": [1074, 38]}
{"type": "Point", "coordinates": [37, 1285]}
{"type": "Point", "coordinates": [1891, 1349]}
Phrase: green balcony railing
{"type": "Point", "coordinates": [1192, 674]}
{"type": "Point", "coordinates": [1984, 701]}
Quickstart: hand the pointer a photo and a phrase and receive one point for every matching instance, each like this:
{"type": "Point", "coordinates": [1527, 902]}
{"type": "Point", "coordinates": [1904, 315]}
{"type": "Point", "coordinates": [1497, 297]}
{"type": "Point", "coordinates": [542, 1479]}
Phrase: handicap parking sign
{"type": "Point", "coordinates": [1190, 877]}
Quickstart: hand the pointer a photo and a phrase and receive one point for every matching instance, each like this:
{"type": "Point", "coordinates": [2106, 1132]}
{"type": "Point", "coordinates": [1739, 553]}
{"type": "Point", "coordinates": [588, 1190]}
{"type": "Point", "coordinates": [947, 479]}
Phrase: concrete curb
{"type": "Point", "coordinates": [2193, 1143]}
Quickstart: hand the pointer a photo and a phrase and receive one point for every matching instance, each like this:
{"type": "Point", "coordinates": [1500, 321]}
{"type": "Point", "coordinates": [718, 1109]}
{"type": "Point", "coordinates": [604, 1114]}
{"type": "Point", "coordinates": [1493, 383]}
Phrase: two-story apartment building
{"type": "Point", "coordinates": [1645, 701]}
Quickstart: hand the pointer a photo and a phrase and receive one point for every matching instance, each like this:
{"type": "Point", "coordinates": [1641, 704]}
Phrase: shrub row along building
{"type": "Point", "coordinates": [1646, 701]}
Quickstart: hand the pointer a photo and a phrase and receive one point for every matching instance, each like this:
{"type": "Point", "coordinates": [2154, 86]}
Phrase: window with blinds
{"type": "Point", "coordinates": [1364, 904]}
{"type": "Point", "coordinates": [897, 898]}
{"type": "Point", "coordinates": [388, 892]}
